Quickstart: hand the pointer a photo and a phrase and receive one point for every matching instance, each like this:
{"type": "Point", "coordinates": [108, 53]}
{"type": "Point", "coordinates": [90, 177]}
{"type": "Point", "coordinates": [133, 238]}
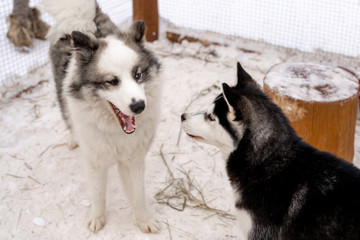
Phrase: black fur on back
{"type": "Point", "coordinates": [291, 190]}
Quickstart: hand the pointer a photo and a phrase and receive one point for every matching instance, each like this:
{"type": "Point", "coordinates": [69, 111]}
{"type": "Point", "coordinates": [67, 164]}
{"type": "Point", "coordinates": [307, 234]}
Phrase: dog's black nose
{"type": "Point", "coordinates": [137, 107]}
{"type": "Point", "coordinates": [183, 116]}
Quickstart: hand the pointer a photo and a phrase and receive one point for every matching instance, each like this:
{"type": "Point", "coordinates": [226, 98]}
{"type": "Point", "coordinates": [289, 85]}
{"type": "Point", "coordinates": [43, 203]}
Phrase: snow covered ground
{"type": "Point", "coordinates": [42, 190]}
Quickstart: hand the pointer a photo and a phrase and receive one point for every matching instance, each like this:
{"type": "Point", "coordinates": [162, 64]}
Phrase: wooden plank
{"type": "Point", "coordinates": [175, 37]}
{"type": "Point", "coordinates": [147, 10]}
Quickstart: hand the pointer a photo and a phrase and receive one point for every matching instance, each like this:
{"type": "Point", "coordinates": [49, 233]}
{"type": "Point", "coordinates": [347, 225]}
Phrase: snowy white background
{"type": "Point", "coordinates": [42, 191]}
{"type": "Point", "coordinates": [307, 25]}
{"type": "Point", "coordinates": [329, 25]}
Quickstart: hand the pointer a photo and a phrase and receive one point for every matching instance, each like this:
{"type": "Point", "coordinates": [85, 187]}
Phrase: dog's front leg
{"type": "Point", "coordinates": [97, 185]}
{"type": "Point", "coordinates": [132, 176]}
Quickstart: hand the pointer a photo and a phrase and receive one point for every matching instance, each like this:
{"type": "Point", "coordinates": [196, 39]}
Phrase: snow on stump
{"type": "Point", "coordinates": [320, 102]}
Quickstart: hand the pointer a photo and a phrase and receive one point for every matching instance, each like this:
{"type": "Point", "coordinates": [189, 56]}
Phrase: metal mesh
{"type": "Point", "coordinates": [329, 25]}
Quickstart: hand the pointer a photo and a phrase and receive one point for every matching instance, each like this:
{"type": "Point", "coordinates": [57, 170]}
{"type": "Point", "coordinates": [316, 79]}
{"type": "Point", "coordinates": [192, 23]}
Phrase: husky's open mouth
{"type": "Point", "coordinates": [195, 137]}
{"type": "Point", "coordinates": [126, 122]}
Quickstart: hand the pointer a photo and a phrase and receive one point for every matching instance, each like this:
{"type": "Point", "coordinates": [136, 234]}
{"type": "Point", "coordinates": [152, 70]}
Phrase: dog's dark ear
{"type": "Point", "coordinates": [136, 31]}
{"type": "Point", "coordinates": [237, 101]}
{"type": "Point", "coordinates": [243, 78]}
{"type": "Point", "coordinates": [229, 96]}
{"type": "Point", "coordinates": [84, 44]}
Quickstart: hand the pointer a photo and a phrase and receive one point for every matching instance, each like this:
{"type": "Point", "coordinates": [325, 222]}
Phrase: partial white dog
{"type": "Point", "coordinates": [109, 87]}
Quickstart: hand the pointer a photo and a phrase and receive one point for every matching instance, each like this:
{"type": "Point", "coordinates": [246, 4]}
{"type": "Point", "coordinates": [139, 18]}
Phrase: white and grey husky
{"type": "Point", "coordinates": [107, 84]}
{"type": "Point", "coordinates": [285, 189]}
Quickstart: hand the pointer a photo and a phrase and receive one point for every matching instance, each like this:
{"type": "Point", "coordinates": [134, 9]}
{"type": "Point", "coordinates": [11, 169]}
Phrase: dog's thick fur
{"type": "Point", "coordinates": [285, 189]}
{"type": "Point", "coordinates": [105, 78]}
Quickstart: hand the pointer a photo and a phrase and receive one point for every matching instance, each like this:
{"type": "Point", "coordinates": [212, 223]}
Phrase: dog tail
{"type": "Point", "coordinates": [69, 16]}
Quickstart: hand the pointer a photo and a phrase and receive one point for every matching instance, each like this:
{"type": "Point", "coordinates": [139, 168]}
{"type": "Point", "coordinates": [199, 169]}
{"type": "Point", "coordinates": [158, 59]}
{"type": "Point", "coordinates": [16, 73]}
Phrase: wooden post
{"type": "Point", "coordinates": [147, 10]}
{"type": "Point", "coordinates": [321, 103]}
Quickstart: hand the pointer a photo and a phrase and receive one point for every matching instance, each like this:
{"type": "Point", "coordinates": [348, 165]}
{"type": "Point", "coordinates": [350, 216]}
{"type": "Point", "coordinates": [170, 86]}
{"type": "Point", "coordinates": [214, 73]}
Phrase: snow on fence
{"type": "Point", "coordinates": [307, 25]}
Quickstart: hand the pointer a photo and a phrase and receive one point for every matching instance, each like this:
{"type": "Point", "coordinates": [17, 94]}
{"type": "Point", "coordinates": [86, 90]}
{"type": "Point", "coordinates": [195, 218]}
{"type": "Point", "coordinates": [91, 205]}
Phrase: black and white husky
{"type": "Point", "coordinates": [285, 189]}
{"type": "Point", "coordinates": [106, 81]}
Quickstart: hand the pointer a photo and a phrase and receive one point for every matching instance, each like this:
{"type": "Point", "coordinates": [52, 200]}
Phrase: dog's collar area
{"type": "Point", "coordinates": [126, 122]}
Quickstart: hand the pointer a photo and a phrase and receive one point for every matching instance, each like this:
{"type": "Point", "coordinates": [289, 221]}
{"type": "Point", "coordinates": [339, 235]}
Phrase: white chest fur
{"type": "Point", "coordinates": [245, 222]}
{"type": "Point", "coordinates": [244, 218]}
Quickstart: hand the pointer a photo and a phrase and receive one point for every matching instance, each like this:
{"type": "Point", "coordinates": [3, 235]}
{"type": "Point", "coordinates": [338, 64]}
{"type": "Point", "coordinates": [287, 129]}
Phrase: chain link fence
{"type": "Point", "coordinates": [307, 25]}
{"type": "Point", "coordinates": [329, 25]}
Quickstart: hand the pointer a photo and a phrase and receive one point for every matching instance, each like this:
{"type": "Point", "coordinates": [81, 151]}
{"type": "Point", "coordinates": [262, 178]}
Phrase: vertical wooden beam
{"type": "Point", "coordinates": [147, 10]}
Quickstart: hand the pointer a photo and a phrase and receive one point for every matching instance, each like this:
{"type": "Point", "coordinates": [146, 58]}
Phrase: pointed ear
{"type": "Point", "coordinates": [136, 31]}
{"type": "Point", "coordinates": [229, 96]}
{"type": "Point", "coordinates": [84, 44]}
{"type": "Point", "coordinates": [235, 100]}
{"type": "Point", "coordinates": [243, 78]}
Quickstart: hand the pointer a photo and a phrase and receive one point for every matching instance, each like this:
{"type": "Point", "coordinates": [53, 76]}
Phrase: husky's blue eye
{"type": "Point", "coordinates": [211, 117]}
{"type": "Point", "coordinates": [137, 76]}
{"type": "Point", "coordinates": [114, 81]}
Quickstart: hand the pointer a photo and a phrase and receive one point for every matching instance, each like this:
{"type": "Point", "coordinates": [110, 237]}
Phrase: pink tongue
{"type": "Point", "coordinates": [129, 123]}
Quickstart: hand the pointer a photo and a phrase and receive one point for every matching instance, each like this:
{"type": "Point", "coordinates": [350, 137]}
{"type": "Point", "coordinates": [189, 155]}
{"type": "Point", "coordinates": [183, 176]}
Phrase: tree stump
{"type": "Point", "coordinates": [320, 101]}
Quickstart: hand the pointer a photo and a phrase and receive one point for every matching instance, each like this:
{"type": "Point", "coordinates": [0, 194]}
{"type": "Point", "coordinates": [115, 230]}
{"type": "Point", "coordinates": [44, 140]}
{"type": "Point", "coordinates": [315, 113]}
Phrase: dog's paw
{"type": "Point", "coordinates": [95, 224]}
{"type": "Point", "coordinates": [149, 225]}
{"type": "Point", "coordinates": [39, 27]}
{"type": "Point", "coordinates": [20, 32]}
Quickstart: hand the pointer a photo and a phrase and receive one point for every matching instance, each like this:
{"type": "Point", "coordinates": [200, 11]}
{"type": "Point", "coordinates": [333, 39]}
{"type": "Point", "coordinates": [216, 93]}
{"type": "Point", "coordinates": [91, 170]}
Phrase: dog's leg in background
{"type": "Point", "coordinates": [132, 176]}
{"type": "Point", "coordinates": [97, 178]}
